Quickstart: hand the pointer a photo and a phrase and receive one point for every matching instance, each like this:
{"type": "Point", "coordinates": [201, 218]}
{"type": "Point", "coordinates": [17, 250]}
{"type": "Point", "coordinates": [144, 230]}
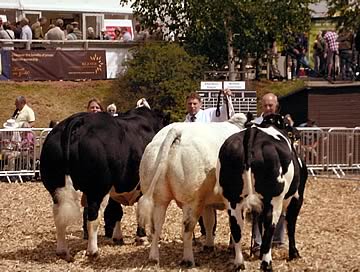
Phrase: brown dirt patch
{"type": "Point", "coordinates": [328, 236]}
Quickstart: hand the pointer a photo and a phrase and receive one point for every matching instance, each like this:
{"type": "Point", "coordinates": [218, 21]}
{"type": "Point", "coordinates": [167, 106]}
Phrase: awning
{"type": "Point", "coordinates": [104, 6]}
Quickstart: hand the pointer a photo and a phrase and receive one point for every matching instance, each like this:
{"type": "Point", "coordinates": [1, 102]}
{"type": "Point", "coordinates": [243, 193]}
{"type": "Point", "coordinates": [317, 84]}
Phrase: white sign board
{"type": "Point", "coordinates": [211, 85]}
{"type": "Point", "coordinates": [234, 85]}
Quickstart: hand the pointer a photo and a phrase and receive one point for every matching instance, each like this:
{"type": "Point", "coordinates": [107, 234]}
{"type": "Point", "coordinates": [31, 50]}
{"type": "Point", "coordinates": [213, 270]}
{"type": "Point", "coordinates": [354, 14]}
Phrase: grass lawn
{"type": "Point", "coordinates": [57, 100]}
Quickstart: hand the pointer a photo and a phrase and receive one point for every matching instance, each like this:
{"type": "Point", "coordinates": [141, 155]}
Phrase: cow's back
{"type": "Point", "coordinates": [191, 161]}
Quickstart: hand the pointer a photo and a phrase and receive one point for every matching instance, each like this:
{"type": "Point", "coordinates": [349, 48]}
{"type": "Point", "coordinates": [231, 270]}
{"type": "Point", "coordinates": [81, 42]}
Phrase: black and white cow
{"type": "Point", "coordinates": [259, 169]}
{"type": "Point", "coordinates": [95, 153]}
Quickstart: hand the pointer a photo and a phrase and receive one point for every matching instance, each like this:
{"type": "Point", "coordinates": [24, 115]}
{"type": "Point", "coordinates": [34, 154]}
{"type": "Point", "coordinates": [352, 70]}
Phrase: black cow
{"type": "Point", "coordinates": [259, 169]}
{"type": "Point", "coordinates": [95, 153]}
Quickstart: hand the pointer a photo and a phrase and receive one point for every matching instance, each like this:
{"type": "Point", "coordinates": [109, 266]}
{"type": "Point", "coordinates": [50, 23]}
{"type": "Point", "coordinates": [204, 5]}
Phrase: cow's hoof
{"type": "Point", "coordinates": [118, 242]}
{"type": "Point", "coordinates": [294, 254]}
{"type": "Point", "coordinates": [239, 267]}
{"type": "Point", "coordinates": [92, 255]}
{"type": "Point", "coordinates": [65, 256]}
{"type": "Point", "coordinates": [141, 241]}
{"type": "Point", "coordinates": [267, 267]}
{"type": "Point", "coordinates": [187, 263]}
{"type": "Point", "coordinates": [153, 261]}
{"type": "Point", "coordinates": [208, 249]}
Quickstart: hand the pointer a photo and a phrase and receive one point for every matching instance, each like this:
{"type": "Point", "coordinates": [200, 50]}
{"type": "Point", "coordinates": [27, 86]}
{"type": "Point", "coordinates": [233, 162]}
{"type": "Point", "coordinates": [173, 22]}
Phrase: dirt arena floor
{"type": "Point", "coordinates": [328, 236]}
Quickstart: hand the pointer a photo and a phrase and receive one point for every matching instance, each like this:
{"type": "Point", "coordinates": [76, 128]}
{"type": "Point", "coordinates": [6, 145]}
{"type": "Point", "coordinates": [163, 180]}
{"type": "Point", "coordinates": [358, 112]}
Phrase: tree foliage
{"type": "Point", "coordinates": [164, 74]}
{"type": "Point", "coordinates": [212, 28]}
{"type": "Point", "coordinates": [347, 11]}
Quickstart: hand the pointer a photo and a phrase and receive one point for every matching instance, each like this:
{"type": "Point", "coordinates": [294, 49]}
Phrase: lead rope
{"type": "Point", "coordinates": [217, 113]}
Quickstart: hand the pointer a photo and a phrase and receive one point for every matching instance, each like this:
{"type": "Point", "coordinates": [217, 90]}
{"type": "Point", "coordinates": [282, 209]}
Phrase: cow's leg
{"type": "Point", "coordinates": [61, 246]}
{"type": "Point", "coordinates": [93, 223]}
{"type": "Point", "coordinates": [66, 210]}
{"type": "Point", "coordinates": [272, 212]}
{"type": "Point", "coordinates": [141, 238]}
{"type": "Point", "coordinates": [236, 221]}
{"type": "Point", "coordinates": [189, 221]}
{"type": "Point", "coordinates": [112, 217]}
{"type": "Point", "coordinates": [291, 218]}
{"type": "Point", "coordinates": [209, 215]}
{"type": "Point", "coordinates": [158, 218]}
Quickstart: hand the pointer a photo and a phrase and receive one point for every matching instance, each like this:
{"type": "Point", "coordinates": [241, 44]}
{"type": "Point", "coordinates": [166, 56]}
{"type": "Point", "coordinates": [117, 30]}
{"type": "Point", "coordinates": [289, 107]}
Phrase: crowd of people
{"type": "Point", "coordinates": [41, 30]}
{"type": "Point", "coordinates": [335, 55]}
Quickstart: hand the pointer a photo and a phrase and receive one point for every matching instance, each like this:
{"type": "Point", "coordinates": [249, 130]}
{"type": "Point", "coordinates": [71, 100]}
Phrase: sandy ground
{"type": "Point", "coordinates": [328, 236]}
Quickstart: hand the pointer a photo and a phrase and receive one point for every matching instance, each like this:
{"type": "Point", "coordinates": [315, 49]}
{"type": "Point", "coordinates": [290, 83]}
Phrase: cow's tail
{"type": "Point", "coordinates": [67, 204]}
{"type": "Point", "coordinates": [146, 202]}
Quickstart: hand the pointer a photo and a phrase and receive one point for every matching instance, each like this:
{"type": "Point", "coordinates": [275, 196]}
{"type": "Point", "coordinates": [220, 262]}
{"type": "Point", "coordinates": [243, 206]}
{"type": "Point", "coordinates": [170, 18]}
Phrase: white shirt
{"type": "Point", "coordinates": [25, 115]}
{"type": "Point", "coordinates": [209, 115]}
{"type": "Point", "coordinates": [26, 33]}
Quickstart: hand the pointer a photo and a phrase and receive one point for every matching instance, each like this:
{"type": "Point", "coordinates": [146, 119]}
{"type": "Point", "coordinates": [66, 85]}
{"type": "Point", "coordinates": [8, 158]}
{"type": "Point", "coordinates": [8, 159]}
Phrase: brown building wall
{"type": "Point", "coordinates": [335, 107]}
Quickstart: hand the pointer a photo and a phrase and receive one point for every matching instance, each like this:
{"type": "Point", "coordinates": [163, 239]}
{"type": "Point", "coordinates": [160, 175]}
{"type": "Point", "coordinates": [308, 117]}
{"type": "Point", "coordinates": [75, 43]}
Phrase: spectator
{"type": "Point", "coordinates": [269, 105]}
{"type": "Point", "coordinates": [37, 29]}
{"type": "Point", "coordinates": [26, 33]}
{"type": "Point", "coordinates": [117, 33]}
{"type": "Point", "coordinates": [125, 35]}
{"type": "Point", "coordinates": [318, 54]}
{"type": "Point", "coordinates": [357, 46]}
{"type": "Point", "coordinates": [104, 35]}
{"type": "Point", "coordinates": [300, 49]}
{"type": "Point", "coordinates": [7, 34]}
{"type": "Point", "coordinates": [140, 34]}
{"type": "Point", "coordinates": [70, 33]}
{"type": "Point", "coordinates": [17, 30]}
{"type": "Point", "coordinates": [94, 105]}
{"type": "Point", "coordinates": [331, 49]}
{"type": "Point", "coordinates": [23, 112]}
{"type": "Point", "coordinates": [112, 109]}
{"type": "Point", "coordinates": [56, 33]}
{"type": "Point", "coordinates": [273, 59]}
{"type": "Point", "coordinates": [90, 34]}
{"type": "Point", "coordinates": [345, 40]}
{"type": "Point", "coordinates": [196, 114]}
{"type": "Point", "coordinates": [77, 31]}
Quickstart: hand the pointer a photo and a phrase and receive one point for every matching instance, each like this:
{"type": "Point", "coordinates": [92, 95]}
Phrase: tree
{"type": "Point", "coordinates": [164, 74]}
{"type": "Point", "coordinates": [347, 12]}
{"type": "Point", "coordinates": [224, 30]}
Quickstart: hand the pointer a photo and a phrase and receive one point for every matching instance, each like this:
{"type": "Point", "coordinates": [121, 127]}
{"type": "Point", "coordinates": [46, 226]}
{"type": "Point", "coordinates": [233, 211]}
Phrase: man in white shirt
{"type": "Point", "coordinates": [23, 112]}
{"type": "Point", "coordinates": [26, 32]}
{"type": "Point", "coordinates": [56, 33]}
{"type": "Point", "coordinates": [196, 114]}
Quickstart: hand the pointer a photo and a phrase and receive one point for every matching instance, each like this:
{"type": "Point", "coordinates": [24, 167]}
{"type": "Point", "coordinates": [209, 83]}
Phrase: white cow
{"type": "Point", "coordinates": [179, 164]}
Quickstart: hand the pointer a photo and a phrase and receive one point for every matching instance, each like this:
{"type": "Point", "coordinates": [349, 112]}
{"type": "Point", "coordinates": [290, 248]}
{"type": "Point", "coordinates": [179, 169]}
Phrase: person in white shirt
{"type": "Point", "coordinates": [23, 112]}
{"type": "Point", "coordinates": [269, 105]}
{"type": "Point", "coordinates": [56, 33]}
{"type": "Point", "coordinates": [196, 114]}
{"type": "Point", "coordinates": [26, 32]}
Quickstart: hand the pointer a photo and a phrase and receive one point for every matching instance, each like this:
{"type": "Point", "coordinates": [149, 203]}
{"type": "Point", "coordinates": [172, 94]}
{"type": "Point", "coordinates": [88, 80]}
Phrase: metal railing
{"type": "Point", "coordinates": [331, 151]}
{"type": "Point", "coordinates": [20, 152]}
{"type": "Point", "coordinates": [327, 152]}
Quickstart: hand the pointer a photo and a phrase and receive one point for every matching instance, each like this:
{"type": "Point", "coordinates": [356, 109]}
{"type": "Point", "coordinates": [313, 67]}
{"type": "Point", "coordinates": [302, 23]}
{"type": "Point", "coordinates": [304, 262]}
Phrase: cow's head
{"type": "Point", "coordinates": [282, 123]}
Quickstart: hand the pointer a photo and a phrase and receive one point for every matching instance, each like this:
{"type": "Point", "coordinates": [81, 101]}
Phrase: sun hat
{"type": "Point", "coordinates": [10, 124]}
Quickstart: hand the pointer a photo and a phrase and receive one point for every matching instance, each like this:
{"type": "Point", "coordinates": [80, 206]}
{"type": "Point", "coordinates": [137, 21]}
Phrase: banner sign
{"type": "Point", "coordinates": [57, 64]}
